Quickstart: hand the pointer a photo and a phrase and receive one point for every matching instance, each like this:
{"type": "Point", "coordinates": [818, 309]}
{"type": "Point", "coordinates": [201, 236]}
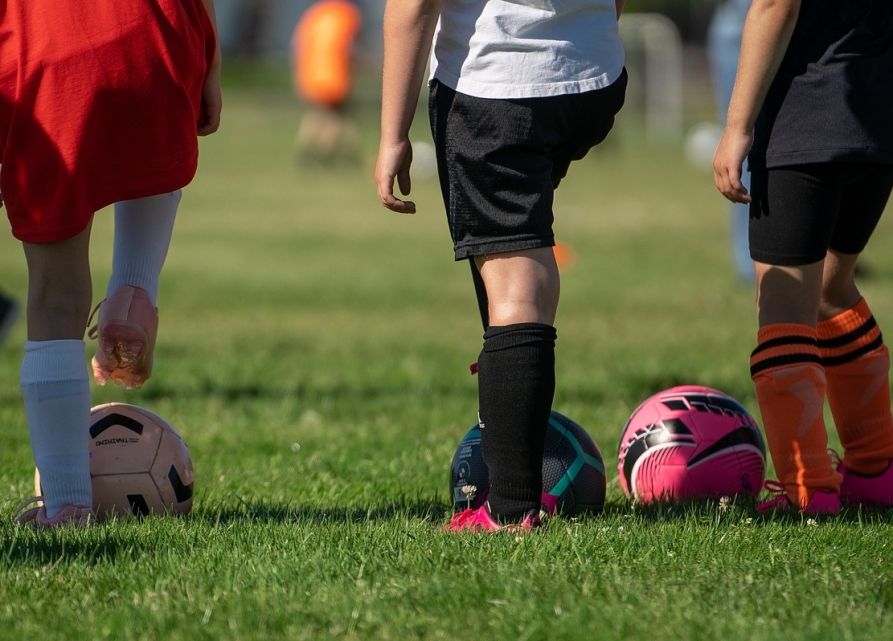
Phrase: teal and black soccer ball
{"type": "Point", "coordinates": [573, 470]}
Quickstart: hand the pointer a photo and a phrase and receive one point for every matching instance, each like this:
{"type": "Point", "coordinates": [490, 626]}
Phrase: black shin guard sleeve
{"type": "Point", "coordinates": [516, 384]}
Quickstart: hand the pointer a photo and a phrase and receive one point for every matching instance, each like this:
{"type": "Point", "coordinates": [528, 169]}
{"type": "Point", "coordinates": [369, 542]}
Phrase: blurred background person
{"type": "Point", "coordinates": [323, 46]}
{"type": "Point", "coordinates": [723, 46]}
{"type": "Point", "coordinates": [9, 312]}
{"type": "Point", "coordinates": [9, 309]}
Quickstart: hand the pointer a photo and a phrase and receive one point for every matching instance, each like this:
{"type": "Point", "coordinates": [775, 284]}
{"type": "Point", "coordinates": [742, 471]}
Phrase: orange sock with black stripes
{"type": "Point", "coordinates": [857, 367]}
{"type": "Point", "coordinates": [790, 384]}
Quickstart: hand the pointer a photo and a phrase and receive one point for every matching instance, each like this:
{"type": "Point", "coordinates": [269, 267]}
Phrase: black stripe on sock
{"type": "Point", "coordinates": [783, 340]}
{"type": "Point", "coordinates": [849, 337]}
{"type": "Point", "coordinates": [785, 359]}
{"type": "Point", "coordinates": [856, 353]}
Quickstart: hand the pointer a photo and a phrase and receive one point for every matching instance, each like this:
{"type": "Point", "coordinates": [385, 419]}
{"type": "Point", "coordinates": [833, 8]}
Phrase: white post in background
{"type": "Point", "coordinates": [659, 40]}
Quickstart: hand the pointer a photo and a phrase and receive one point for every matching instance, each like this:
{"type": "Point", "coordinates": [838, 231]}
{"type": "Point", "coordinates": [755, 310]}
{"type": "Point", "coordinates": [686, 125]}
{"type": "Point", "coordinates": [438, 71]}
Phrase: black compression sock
{"type": "Point", "coordinates": [516, 384]}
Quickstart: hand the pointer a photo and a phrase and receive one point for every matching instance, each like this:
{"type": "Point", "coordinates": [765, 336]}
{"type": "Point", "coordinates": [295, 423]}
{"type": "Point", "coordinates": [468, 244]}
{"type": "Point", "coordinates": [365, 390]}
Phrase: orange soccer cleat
{"type": "Point", "coordinates": [126, 331]}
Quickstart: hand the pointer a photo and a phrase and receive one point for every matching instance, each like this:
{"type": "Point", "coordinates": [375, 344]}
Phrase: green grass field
{"type": "Point", "coordinates": [314, 353]}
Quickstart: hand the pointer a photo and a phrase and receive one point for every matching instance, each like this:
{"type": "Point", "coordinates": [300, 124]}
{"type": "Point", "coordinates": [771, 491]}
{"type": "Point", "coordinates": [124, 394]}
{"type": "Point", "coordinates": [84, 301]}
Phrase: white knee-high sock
{"type": "Point", "coordinates": [56, 390]}
{"type": "Point", "coordinates": [143, 230]}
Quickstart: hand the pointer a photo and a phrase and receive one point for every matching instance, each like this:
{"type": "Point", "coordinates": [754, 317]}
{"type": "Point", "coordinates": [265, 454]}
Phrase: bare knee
{"type": "Point", "coordinates": [788, 294]}
{"type": "Point", "coordinates": [522, 287]}
{"type": "Point", "coordinates": [839, 291]}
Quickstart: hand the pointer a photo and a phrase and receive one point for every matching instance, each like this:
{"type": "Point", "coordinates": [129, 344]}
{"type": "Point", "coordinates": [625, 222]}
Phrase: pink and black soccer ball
{"type": "Point", "coordinates": [574, 479]}
{"type": "Point", "coordinates": [688, 443]}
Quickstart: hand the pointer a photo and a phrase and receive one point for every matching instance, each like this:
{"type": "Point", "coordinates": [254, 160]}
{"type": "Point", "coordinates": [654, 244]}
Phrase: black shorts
{"type": "Point", "coordinates": [499, 161]}
{"type": "Point", "coordinates": [799, 212]}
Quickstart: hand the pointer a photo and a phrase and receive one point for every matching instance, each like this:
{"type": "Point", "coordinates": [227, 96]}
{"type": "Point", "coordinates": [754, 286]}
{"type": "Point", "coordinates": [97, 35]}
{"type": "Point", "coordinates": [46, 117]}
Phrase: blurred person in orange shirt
{"type": "Point", "coordinates": [323, 47]}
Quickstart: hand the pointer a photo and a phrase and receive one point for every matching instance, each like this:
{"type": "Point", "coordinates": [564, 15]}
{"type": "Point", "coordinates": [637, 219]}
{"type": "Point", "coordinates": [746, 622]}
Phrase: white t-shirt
{"type": "Point", "coordinates": [527, 48]}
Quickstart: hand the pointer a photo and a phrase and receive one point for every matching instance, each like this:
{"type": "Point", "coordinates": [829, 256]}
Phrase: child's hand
{"type": "Point", "coordinates": [394, 160]}
{"type": "Point", "coordinates": [212, 100]}
{"type": "Point", "coordinates": [727, 165]}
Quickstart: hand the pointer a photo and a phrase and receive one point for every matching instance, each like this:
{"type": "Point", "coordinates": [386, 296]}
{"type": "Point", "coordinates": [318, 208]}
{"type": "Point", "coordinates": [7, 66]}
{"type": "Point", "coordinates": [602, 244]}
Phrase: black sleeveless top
{"type": "Point", "coordinates": [832, 98]}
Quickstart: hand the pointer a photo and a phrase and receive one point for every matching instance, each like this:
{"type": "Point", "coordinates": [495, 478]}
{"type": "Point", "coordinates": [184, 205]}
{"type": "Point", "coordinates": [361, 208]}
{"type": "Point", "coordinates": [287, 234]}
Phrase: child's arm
{"type": "Point", "coordinates": [620, 4]}
{"type": "Point", "coordinates": [408, 31]}
{"type": "Point", "coordinates": [212, 98]}
{"type": "Point", "coordinates": [767, 33]}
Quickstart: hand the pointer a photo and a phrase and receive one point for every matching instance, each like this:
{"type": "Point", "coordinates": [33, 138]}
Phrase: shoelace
{"type": "Point", "coordinates": [780, 498]}
{"type": "Point", "coordinates": [23, 514]}
{"type": "Point", "coordinates": [93, 332]}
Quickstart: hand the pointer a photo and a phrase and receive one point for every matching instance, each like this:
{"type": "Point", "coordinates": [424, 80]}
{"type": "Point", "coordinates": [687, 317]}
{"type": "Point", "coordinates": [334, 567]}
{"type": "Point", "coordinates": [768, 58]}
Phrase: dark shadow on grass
{"type": "Point", "coordinates": [669, 510]}
{"type": "Point", "coordinates": [851, 515]}
{"type": "Point", "coordinates": [43, 547]}
{"type": "Point", "coordinates": [260, 512]}
{"type": "Point", "coordinates": [737, 508]}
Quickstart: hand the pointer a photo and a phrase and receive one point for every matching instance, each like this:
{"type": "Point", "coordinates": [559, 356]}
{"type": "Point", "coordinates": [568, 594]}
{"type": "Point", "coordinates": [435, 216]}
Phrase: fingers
{"type": "Point", "coordinates": [212, 105]}
{"type": "Point", "coordinates": [399, 206]}
{"type": "Point", "coordinates": [729, 184]}
{"type": "Point", "coordinates": [209, 126]}
{"type": "Point", "coordinates": [391, 202]}
{"type": "Point", "coordinates": [404, 182]}
{"type": "Point", "coordinates": [727, 165]}
{"type": "Point", "coordinates": [393, 164]}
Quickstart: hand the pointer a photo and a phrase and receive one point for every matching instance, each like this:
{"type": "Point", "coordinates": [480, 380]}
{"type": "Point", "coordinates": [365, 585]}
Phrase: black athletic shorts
{"type": "Point", "coordinates": [499, 161]}
{"type": "Point", "coordinates": [799, 212]}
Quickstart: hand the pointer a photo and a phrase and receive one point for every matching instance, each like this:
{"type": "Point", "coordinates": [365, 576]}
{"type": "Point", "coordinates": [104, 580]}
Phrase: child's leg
{"type": "Point", "coordinates": [143, 230]}
{"type": "Point", "coordinates": [857, 363]}
{"type": "Point", "coordinates": [857, 366]}
{"type": "Point", "coordinates": [128, 319]}
{"type": "Point", "coordinates": [54, 380]}
{"type": "Point", "coordinates": [56, 390]}
{"type": "Point", "coordinates": [797, 214]}
{"type": "Point", "coordinates": [516, 376]}
{"type": "Point", "coordinates": [790, 381]}
{"type": "Point", "coordinates": [790, 387]}
{"type": "Point", "coordinates": [516, 372]}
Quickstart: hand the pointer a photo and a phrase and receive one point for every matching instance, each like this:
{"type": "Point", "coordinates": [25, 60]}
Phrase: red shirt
{"type": "Point", "coordinates": [99, 102]}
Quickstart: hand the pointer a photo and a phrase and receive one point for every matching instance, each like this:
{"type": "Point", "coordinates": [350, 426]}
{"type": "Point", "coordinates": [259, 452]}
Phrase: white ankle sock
{"type": "Point", "coordinates": [56, 390]}
{"type": "Point", "coordinates": [143, 230]}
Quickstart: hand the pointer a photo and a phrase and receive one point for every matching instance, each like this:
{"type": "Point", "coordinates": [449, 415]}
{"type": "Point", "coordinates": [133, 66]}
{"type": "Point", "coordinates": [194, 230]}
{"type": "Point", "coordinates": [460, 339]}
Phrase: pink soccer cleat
{"type": "Point", "coordinates": [126, 331]}
{"type": "Point", "coordinates": [73, 515]}
{"type": "Point", "coordinates": [868, 491]}
{"type": "Point", "coordinates": [821, 502]}
{"type": "Point", "coordinates": [480, 520]}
